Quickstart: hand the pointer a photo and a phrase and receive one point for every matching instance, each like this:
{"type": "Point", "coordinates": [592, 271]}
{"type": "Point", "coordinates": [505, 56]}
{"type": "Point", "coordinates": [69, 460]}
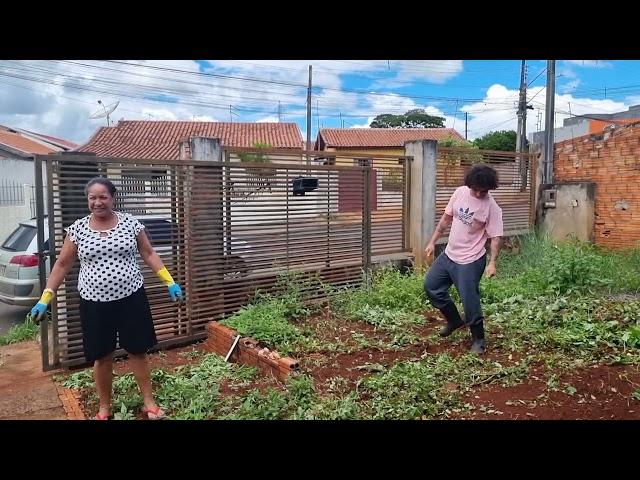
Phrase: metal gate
{"type": "Point", "coordinates": [223, 229]}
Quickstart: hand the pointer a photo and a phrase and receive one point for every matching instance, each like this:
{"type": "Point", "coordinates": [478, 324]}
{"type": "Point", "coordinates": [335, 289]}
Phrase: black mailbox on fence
{"type": "Point", "coordinates": [302, 185]}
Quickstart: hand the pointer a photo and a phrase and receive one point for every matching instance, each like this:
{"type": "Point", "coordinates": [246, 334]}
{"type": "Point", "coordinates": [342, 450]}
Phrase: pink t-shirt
{"type": "Point", "coordinates": [474, 220]}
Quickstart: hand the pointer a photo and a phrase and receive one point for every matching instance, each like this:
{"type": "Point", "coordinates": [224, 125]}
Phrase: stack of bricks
{"type": "Point", "coordinates": [247, 352]}
{"type": "Point", "coordinates": [612, 162]}
{"type": "Point", "coordinates": [70, 402]}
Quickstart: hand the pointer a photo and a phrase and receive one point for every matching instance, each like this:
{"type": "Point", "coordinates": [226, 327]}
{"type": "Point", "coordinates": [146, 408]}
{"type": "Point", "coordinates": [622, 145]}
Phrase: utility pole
{"type": "Point", "coordinates": [521, 134]}
{"type": "Point", "coordinates": [279, 112]}
{"type": "Point", "coordinates": [466, 118]}
{"type": "Point", "coordinates": [309, 114]}
{"type": "Point", "coordinates": [549, 122]}
{"type": "Point", "coordinates": [341, 122]}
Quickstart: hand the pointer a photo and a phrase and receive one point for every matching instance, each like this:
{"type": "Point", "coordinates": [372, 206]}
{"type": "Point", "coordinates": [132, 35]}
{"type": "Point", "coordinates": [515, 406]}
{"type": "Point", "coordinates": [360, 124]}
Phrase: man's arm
{"type": "Point", "coordinates": [444, 223]}
{"type": "Point", "coordinates": [496, 245]}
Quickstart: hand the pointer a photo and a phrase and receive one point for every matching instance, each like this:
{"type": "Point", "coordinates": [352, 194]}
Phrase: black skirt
{"type": "Point", "coordinates": [125, 323]}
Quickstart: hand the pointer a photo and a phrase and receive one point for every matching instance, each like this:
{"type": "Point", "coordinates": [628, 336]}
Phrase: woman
{"type": "Point", "coordinates": [113, 301]}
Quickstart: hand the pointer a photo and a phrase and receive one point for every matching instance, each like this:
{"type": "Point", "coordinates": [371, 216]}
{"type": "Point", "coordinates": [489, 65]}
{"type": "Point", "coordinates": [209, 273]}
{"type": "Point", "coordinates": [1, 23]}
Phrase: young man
{"type": "Point", "coordinates": [474, 216]}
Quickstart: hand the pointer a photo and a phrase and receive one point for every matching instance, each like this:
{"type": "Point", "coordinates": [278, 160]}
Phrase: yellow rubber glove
{"type": "Point", "coordinates": [164, 275]}
{"type": "Point", "coordinates": [41, 307]}
{"type": "Point", "coordinates": [175, 292]}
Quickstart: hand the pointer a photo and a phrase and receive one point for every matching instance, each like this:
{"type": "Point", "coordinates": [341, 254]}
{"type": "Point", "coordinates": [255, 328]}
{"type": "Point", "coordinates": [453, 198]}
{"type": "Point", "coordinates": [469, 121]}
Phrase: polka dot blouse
{"type": "Point", "coordinates": [109, 267]}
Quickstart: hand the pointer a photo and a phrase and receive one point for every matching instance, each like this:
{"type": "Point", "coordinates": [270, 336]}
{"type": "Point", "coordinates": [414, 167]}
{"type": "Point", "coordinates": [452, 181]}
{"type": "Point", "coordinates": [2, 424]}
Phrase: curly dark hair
{"type": "Point", "coordinates": [102, 181]}
{"type": "Point", "coordinates": [481, 177]}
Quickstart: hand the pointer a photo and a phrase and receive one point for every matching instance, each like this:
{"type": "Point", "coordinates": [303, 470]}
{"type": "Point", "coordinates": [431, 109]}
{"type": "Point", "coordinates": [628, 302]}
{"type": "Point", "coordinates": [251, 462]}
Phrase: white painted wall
{"type": "Point", "coordinates": [19, 170]}
{"type": "Point", "coordinates": [11, 215]}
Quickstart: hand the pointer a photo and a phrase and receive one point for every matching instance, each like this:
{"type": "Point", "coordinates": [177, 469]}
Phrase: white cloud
{"type": "Point", "coordinates": [269, 119]}
{"type": "Point", "coordinates": [572, 85]}
{"type": "Point", "coordinates": [590, 63]}
{"type": "Point", "coordinates": [434, 71]}
{"type": "Point", "coordinates": [141, 89]}
{"type": "Point", "coordinates": [491, 115]}
{"type": "Point", "coordinates": [54, 105]}
{"type": "Point", "coordinates": [363, 125]}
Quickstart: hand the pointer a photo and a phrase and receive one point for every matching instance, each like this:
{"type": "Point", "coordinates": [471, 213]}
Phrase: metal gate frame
{"type": "Point", "coordinates": [193, 184]}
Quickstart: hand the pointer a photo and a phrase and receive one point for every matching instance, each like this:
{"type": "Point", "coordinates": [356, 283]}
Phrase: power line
{"type": "Point", "coordinates": [171, 90]}
{"type": "Point", "coordinates": [347, 90]}
{"type": "Point", "coordinates": [364, 74]}
{"type": "Point", "coordinates": [220, 106]}
{"type": "Point", "coordinates": [541, 72]}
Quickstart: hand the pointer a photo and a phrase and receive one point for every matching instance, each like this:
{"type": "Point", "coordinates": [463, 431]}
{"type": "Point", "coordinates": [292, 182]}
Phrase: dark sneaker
{"type": "Point", "coordinates": [479, 346]}
{"type": "Point", "coordinates": [449, 328]}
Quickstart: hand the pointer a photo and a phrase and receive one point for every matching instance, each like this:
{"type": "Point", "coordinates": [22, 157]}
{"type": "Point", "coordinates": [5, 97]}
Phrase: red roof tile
{"type": "Point", "coordinates": [55, 140]}
{"type": "Point", "coordinates": [24, 144]}
{"type": "Point", "coordinates": [381, 137]}
{"type": "Point", "coordinates": [159, 139]}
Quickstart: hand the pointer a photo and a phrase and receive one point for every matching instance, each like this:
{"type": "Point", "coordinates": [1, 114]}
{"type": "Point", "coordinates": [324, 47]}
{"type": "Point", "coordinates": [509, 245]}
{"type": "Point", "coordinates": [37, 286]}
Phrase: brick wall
{"type": "Point", "coordinates": [612, 161]}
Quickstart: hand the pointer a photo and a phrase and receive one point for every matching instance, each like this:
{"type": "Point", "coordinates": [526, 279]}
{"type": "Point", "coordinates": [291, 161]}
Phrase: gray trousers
{"type": "Point", "coordinates": [466, 278]}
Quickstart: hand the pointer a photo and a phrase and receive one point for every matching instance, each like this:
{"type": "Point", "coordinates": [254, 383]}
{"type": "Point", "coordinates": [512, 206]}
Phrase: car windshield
{"type": "Point", "coordinates": [20, 239]}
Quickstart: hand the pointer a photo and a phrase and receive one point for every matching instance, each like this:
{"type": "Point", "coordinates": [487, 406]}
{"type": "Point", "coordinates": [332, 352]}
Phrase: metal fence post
{"type": "Point", "coordinates": [42, 274]}
{"type": "Point", "coordinates": [366, 231]}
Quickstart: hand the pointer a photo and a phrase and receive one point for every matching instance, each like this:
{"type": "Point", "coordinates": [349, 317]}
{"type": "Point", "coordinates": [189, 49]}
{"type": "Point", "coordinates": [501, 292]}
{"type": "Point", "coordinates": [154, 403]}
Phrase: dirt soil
{"type": "Point", "coordinates": [597, 392]}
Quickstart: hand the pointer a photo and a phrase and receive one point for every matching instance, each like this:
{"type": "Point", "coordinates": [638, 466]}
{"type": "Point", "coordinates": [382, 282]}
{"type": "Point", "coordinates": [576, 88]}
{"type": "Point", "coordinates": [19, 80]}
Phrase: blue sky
{"type": "Point", "coordinates": [57, 97]}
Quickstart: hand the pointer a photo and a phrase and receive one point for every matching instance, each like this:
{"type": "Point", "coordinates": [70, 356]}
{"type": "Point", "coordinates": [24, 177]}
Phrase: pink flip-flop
{"type": "Point", "coordinates": [99, 416]}
{"type": "Point", "coordinates": [154, 413]}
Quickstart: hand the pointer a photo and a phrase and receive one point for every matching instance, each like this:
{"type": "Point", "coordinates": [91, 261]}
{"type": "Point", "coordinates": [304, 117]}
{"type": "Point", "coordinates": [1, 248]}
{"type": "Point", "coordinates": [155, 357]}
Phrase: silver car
{"type": "Point", "coordinates": [19, 283]}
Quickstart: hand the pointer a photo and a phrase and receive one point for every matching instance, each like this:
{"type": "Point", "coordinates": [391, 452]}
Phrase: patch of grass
{"type": "Point", "coordinates": [274, 404]}
{"type": "Point", "coordinates": [392, 303]}
{"type": "Point", "coordinates": [79, 380]}
{"type": "Point", "coordinates": [390, 290]}
{"type": "Point", "coordinates": [387, 319]}
{"type": "Point", "coordinates": [558, 299]}
{"type": "Point", "coordinates": [410, 390]}
{"type": "Point", "coordinates": [28, 330]}
{"type": "Point", "coordinates": [267, 322]}
{"type": "Point", "coordinates": [432, 387]}
{"type": "Point", "coordinates": [191, 392]}
{"type": "Point", "coordinates": [546, 304]}
{"type": "Point", "coordinates": [299, 401]}
{"type": "Point", "coordinates": [191, 354]}
{"type": "Point", "coordinates": [271, 319]}
{"type": "Point", "coordinates": [542, 268]}
{"type": "Point", "coordinates": [578, 326]}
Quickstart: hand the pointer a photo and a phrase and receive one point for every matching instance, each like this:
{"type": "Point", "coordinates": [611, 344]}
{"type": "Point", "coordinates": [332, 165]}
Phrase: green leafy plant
{"type": "Point", "coordinates": [257, 157]}
{"type": "Point", "coordinates": [261, 157]}
{"type": "Point", "coordinates": [574, 267]}
{"type": "Point", "coordinates": [266, 322]}
{"type": "Point", "coordinates": [79, 380]}
{"type": "Point", "coordinates": [269, 317]}
{"type": "Point", "coordinates": [390, 290]}
{"type": "Point", "coordinates": [28, 330]}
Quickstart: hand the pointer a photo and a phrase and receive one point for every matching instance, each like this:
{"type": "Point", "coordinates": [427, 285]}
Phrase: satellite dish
{"type": "Point", "coordinates": [105, 111]}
